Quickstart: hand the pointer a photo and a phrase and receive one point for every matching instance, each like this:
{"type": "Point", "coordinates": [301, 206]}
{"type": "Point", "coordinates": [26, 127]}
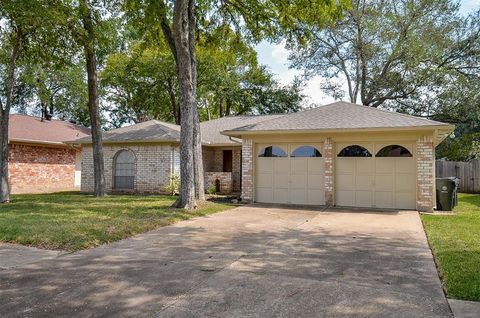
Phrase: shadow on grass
{"type": "Point", "coordinates": [73, 221]}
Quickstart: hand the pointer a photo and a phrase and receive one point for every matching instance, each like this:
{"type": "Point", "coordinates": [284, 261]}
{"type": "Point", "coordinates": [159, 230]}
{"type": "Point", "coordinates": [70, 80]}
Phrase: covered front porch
{"type": "Point", "coordinates": [222, 166]}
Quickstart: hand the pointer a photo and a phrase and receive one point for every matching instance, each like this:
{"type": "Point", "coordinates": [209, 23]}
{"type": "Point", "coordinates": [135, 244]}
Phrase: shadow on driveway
{"type": "Point", "coordinates": [253, 261]}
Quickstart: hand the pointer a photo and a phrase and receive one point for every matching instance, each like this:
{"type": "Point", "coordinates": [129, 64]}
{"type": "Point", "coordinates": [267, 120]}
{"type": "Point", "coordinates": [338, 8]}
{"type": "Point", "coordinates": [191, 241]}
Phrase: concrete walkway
{"type": "Point", "coordinates": [248, 262]}
{"type": "Point", "coordinates": [465, 309]}
{"type": "Point", "coordinates": [13, 255]}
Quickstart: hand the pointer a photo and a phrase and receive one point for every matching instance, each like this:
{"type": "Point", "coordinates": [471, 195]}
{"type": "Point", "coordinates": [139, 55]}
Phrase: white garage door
{"type": "Point", "coordinates": [377, 175]}
{"type": "Point", "coordinates": [289, 173]}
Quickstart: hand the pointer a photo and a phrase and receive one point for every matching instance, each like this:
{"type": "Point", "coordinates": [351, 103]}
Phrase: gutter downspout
{"type": "Point", "coordinates": [235, 141]}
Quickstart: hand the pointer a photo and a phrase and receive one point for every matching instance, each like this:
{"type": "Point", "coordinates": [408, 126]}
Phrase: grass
{"type": "Point", "coordinates": [72, 221]}
{"type": "Point", "coordinates": [455, 241]}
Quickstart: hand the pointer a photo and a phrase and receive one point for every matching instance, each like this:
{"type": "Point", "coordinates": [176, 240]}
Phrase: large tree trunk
{"type": "Point", "coordinates": [228, 108]}
{"type": "Point", "coordinates": [220, 108]}
{"type": "Point", "coordinates": [198, 159]}
{"type": "Point", "coordinates": [4, 117]}
{"type": "Point", "coordinates": [93, 107]}
{"type": "Point", "coordinates": [197, 138]}
{"type": "Point", "coordinates": [4, 187]}
{"type": "Point", "coordinates": [187, 104]}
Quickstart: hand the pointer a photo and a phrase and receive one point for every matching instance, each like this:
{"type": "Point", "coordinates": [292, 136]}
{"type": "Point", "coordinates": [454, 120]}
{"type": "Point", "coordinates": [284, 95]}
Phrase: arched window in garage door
{"type": "Point", "coordinates": [272, 151]}
{"type": "Point", "coordinates": [306, 152]}
{"type": "Point", "coordinates": [393, 151]}
{"type": "Point", "coordinates": [354, 151]}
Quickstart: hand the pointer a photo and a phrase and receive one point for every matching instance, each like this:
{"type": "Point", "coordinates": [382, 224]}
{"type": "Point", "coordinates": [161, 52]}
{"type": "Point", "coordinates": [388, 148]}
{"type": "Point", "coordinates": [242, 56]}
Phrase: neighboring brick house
{"type": "Point", "coordinates": [339, 154]}
{"type": "Point", "coordinates": [39, 160]}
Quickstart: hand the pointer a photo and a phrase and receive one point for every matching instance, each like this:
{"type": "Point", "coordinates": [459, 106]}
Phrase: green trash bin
{"type": "Point", "coordinates": [446, 193]}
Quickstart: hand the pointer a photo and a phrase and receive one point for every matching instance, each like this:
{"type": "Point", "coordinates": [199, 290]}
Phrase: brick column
{"type": "Point", "coordinates": [247, 170]}
{"type": "Point", "coordinates": [425, 174]}
{"type": "Point", "coordinates": [328, 155]}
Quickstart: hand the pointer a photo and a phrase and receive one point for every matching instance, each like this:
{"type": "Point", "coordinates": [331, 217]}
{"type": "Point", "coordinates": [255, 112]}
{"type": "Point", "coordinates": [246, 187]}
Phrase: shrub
{"type": "Point", "coordinates": [173, 186]}
{"type": "Point", "coordinates": [211, 190]}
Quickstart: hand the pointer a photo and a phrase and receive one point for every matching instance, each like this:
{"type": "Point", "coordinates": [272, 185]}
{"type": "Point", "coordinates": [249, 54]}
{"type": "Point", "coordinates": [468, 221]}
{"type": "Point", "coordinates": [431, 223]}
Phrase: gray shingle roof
{"type": "Point", "coordinates": [211, 129]}
{"type": "Point", "coordinates": [152, 130]}
{"type": "Point", "coordinates": [339, 115]}
{"type": "Point", "coordinates": [155, 130]}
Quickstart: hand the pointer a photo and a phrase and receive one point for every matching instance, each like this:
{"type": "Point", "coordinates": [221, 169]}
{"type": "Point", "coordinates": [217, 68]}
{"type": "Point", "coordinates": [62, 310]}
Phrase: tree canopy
{"type": "Point", "coordinates": [389, 52]}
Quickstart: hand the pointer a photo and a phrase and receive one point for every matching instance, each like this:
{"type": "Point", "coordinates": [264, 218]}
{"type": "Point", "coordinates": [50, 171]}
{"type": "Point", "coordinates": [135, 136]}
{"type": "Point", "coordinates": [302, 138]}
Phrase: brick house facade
{"type": "Point", "coordinates": [34, 168]}
{"type": "Point", "coordinates": [38, 159]}
{"type": "Point", "coordinates": [340, 154]}
{"type": "Point", "coordinates": [154, 163]}
{"type": "Point", "coordinates": [223, 164]}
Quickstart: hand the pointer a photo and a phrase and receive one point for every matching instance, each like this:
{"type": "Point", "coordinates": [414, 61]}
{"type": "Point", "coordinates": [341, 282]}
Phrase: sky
{"type": "Point", "coordinates": [275, 56]}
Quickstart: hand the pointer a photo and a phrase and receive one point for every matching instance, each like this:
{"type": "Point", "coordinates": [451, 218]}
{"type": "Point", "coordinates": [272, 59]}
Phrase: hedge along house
{"type": "Point", "coordinates": [39, 160]}
{"type": "Point", "coordinates": [338, 154]}
{"type": "Point", "coordinates": [341, 154]}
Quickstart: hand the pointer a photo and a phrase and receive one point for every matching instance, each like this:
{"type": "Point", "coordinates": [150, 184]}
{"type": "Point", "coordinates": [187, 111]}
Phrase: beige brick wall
{"type": "Point", "coordinates": [247, 169]}
{"type": "Point", "coordinates": [213, 162]}
{"type": "Point", "coordinates": [208, 154]}
{"type": "Point", "coordinates": [153, 166]}
{"type": "Point", "coordinates": [224, 178]}
{"type": "Point", "coordinates": [425, 174]}
{"type": "Point", "coordinates": [328, 155]}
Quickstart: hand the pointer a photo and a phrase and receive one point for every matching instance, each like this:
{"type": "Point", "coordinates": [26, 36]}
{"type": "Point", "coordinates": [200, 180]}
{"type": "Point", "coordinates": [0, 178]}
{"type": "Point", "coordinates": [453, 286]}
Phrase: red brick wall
{"type": "Point", "coordinates": [34, 169]}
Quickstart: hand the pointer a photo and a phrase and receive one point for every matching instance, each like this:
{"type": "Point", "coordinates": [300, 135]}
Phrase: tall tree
{"type": "Point", "coordinates": [183, 41]}
{"type": "Point", "coordinates": [53, 87]}
{"type": "Point", "coordinates": [25, 27]}
{"type": "Point", "coordinates": [89, 42]}
{"type": "Point", "coordinates": [140, 81]}
{"type": "Point", "coordinates": [14, 37]}
{"type": "Point", "coordinates": [256, 20]}
{"type": "Point", "coordinates": [384, 50]}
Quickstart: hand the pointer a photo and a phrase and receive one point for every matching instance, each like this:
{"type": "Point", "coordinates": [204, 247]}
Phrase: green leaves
{"type": "Point", "coordinates": [385, 51]}
{"type": "Point", "coordinates": [463, 148]}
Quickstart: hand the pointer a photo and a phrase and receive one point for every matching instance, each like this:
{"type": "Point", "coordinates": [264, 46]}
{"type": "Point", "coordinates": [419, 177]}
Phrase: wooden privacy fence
{"type": "Point", "coordinates": [467, 172]}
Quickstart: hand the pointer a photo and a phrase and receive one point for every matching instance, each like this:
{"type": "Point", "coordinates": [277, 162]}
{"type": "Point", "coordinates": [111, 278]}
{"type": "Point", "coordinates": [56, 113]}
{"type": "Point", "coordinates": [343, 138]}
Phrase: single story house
{"type": "Point", "coordinates": [39, 160]}
{"type": "Point", "coordinates": [339, 154]}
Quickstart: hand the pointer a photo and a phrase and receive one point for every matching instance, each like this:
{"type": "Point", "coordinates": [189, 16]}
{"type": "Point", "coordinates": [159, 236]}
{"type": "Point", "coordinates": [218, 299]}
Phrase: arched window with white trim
{"type": "Point", "coordinates": [306, 152]}
{"type": "Point", "coordinates": [354, 151]}
{"type": "Point", "coordinates": [393, 151]}
{"type": "Point", "coordinates": [124, 178]}
{"type": "Point", "coordinates": [272, 151]}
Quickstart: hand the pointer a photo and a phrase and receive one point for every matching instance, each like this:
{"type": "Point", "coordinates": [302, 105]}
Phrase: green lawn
{"type": "Point", "coordinates": [455, 241]}
{"type": "Point", "coordinates": [73, 221]}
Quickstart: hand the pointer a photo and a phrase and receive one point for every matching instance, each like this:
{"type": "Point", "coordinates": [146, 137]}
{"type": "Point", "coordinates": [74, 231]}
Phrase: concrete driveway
{"type": "Point", "coordinates": [252, 261]}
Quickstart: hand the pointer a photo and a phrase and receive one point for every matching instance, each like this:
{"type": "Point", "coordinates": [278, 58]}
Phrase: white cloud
{"type": "Point", "coordinates": [276, 57]}
{"type": "Point", "coordinates": [314, 94]}
{"type": "Point", "coordinates": [287, 76]}
{"type": "Point", "coordinates": [280, 53]}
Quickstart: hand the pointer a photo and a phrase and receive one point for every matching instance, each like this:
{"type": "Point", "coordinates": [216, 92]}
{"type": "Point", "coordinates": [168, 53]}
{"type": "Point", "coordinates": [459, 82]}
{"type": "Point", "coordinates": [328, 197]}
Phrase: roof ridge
{"type": "Point", "coordinates": [68, 122]}
{"type": "Point", "coordinates": [370, 108]}
{"type": "Point", "coordinates": [168, 130]}
{"type": "Point", "coordinates": [46, 120]}
{"type": "Point", "coordinates": [263, 121]}
{"type": "Point", "coordinates": [245, 115]}
{"type": "Point", "coordinates": [401, 114]}
{"type": "Point", "coordinates": [163, 122]}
